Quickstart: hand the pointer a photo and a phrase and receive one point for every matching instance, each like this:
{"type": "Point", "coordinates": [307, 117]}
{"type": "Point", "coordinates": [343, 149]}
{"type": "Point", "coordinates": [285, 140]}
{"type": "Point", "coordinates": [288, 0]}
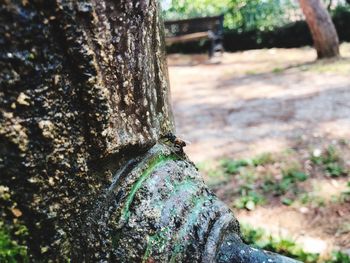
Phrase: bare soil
{"type": "Point", "coordinates": [257, 101]}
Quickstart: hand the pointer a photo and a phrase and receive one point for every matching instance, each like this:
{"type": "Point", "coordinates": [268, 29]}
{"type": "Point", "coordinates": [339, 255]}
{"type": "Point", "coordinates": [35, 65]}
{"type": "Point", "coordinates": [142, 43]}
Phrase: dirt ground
{"type": "Point", "coordinates": [259, 101]}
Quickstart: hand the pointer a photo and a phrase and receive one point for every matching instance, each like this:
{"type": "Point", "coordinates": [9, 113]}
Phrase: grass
{"type": "Point", "coordinates": [234, 166]}
{"type": "Point", "coordinates": [329, 159]}
{"type": "Point", "coordinates": [286, 246]}
{"type": "Point", "coordinates": [312, 199]}
{"type": "Point", "coordinates": [277, 70]}
{"type": "Point", "coordinates": [251, 190]}
{"type": "Point", "coordinates": [345, 196]}
{"type": "Point", "coordinates": [309, 181]}
{"type": "Point", "coordinates": [291, 176]}
{"type": "Point", "coordinates": [10, 250]}
{"type": "Point", "coordinates": [262, 179]}
{"type": "Point", "coordinates": [12, 232]}
{"type": "Point", "coordinates": [249, 198]}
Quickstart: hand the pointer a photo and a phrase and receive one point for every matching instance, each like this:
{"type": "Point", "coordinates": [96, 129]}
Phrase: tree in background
{"type": "Point", "coordinates": [89, 171]}
{"type": "Point", "coordinates": [322, 29]}
{"type": "Point", "coordinates": [241, 15]}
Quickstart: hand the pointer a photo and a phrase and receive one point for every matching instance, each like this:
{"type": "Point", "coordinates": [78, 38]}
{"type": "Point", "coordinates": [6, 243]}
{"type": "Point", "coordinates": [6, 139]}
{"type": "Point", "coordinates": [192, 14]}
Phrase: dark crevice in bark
{"type": "Point", "coordinates": [76, 75]}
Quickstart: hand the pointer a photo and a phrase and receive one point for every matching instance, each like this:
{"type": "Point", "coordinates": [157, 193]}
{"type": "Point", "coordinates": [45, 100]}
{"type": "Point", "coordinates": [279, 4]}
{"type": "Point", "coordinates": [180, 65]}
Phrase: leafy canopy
{"type": "Point", "coordinates": [242, 15]}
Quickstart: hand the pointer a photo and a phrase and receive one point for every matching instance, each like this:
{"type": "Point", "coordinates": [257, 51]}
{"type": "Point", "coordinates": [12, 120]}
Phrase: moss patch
{"type": "Point", "coordinates": [10, 250]}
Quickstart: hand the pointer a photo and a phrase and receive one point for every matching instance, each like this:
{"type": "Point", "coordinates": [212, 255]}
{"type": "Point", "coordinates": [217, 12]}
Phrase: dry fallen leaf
{"type": "Point", "coordinates": [16, 212]}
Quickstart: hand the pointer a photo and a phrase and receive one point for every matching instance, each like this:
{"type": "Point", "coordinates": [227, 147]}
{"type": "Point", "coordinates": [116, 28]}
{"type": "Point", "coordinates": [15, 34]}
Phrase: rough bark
{"type": "Point", "coordinates": [324, 34]}
{"type": "Point", "coordinates": [84, 164]}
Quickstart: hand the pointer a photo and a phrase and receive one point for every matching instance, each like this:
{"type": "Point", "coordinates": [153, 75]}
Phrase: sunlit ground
{"type": "Point", "coordinates": [287, 119]}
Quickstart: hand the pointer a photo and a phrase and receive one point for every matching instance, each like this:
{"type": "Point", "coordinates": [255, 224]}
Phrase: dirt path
{"type": "Point", "coordinates": [258, 101]}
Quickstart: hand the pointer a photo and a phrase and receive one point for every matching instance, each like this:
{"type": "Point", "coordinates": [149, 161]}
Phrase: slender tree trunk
{"type": "Point", "coordinates": [85, 163]}
{"type": "Point", "coordinates": [329, 6]}
{"type": "Point", "coordinates": [322, 29]}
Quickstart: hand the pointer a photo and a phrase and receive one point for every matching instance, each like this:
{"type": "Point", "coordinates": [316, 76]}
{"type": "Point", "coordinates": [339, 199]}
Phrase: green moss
{"type": "Point", "coordinates": [191, 219]}
{"type": "Point", "coordinates": [156, 241]}
{"type": "Point", "coordinates": [153, 164]}
{"type": "Point", "coordinates": [10, 250]}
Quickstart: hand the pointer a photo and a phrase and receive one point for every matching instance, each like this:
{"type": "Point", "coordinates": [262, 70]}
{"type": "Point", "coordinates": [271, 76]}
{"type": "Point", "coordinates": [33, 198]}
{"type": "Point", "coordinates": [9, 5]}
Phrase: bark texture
{"type": "Point", "coordinates": [84, 164]}
{"type": "Point", "coordinates": [324, 34]}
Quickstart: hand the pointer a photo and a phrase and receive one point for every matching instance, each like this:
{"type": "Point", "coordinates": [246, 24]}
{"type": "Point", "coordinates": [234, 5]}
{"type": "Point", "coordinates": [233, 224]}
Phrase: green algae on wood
{"type": "Point", "coordinates": [191, 220]}
{"type": "Point", "coordinates": [151, 166]}
{"type": "Point", "coordinates": [10, 250]}
{"type": "Point", "coordinates": [157, 241]}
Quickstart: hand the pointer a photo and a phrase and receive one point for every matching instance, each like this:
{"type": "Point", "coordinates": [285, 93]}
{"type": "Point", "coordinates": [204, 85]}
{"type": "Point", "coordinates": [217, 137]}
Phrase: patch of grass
{"type": "Point", "coordinates": [263, 159]}
{"type": "Point", "coordinates": [291, 176]}
{"type": "Point", "coordinates": [338, 257]}
{"type": "Point", "coordinates": [294, 174]}
{"type": "Point", "coordinates": [268, 185]}
{"type": "Point", "coordinates": [330, 155]}
{"type": "Point", "coordinates": [234, 166]}
{"type": "Point", "coordinates": [259, 238]}
{"type": "Point", "coordinates": [335, 169]}
{"type": "Point", "coordinates": [345, 196]}
{"type": "Point", "coordinates": [267, 177]}
{"type": "Point", "coordinates": [330, 160]}
{"type": "Point", "coordinates": [277, 70]}
{"type": "Point", "coordinates": [287, 201]}
{"type": "Point", "coordinates": [249, 198]}
{"type": "Point", "coordinates": [312, 199]}
{"type": "Point", "coordinates": [248, 174]}
{"type": "Point", "coordinates": [10, 250]}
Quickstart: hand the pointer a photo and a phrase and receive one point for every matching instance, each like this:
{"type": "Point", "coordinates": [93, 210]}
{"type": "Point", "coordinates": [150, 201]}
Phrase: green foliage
{"type": "Point", "coordinates": [290, 177]}
{"type": "Point", "coordinates": [248, 191]}
{"type": "Point", "coordinates": [294, 174]}
{"type": "Point", "coordinates": [277, 70]}
{"type": "Point", "coordinates": [330, 160]}
{"type": "Point", "coordinates": [330, 155]}
{"type": "Point", "coordinates": [242, 15]}
{"type": "Point", "coordinates": [287, 201]}
{"type": "Point", "coordinates": [312, 199]}
{"type": "Point", "coordinates": [259, 238]}
{"type": "Point", "coordinates": [10, 250]}
{"type": "Point", "coordinates": [345, 196]}
{"type": "Point", "coordinates": [334, 169]}
{"type": "Point", "coordinates": [249, 198]}
{"type": "Point", "coordinates": [268, 185]}
{"type": "Point", "coordinates": [262, 159]}
{"type": "Point", "coordinates": [260, 179]}
{"type": "Point", "coordinates": [338, 257]}
{"type": "Point", "coordinates": [234, 166]}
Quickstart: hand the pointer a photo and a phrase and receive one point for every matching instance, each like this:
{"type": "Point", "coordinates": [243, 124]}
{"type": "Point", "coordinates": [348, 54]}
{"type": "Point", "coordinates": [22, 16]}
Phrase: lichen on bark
{"type": "Point", "coordinates": [82, 83]}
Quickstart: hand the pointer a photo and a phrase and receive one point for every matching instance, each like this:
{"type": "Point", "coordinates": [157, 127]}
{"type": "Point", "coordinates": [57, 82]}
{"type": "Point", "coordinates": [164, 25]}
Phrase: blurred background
{"type": "Point", "coordinates": [267, 121]}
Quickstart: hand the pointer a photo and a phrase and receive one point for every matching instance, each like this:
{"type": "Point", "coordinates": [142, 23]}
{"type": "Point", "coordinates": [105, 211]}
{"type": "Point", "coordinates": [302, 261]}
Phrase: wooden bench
{"type": "Point", "coordinates": [195, 29]}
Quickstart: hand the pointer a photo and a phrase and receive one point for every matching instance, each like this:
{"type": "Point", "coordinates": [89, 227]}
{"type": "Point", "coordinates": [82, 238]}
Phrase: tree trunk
{"type": "Point", "coordinates": [322, 29]}
{"type": "Point", "coordinates": [85, 163]}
